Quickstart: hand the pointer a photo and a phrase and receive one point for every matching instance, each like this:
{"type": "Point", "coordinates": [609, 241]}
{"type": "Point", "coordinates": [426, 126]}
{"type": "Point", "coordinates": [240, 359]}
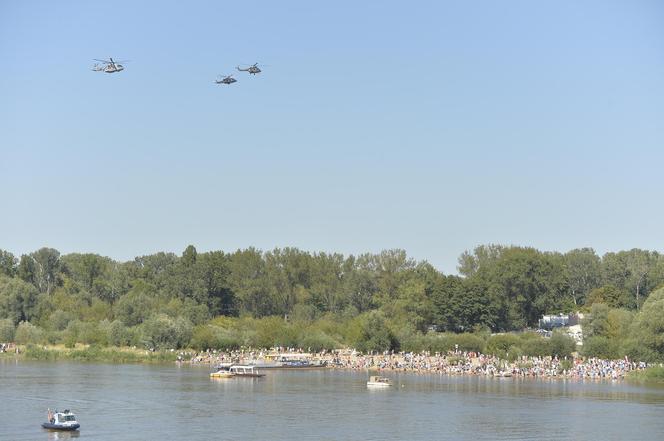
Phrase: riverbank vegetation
{"type": "Point", "coordinates": [374, 302]}
{"type": "Point", "coordinates": [653, 374]}
{"type": "Point", "coordinates": [91, 353]}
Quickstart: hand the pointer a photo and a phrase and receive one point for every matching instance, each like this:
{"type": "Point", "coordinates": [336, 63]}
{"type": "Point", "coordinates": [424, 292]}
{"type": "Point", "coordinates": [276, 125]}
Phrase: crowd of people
{"type": "Point", "coordinates": [472, 363]}
{"type": "Point", "coordinates": [8, 347]}
{"type": "Point", "coordinates": [452, 363]}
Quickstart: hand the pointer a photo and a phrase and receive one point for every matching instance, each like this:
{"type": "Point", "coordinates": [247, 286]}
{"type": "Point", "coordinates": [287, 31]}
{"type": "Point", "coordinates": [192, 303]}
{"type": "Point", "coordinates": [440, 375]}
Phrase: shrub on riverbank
{"type": "Point", "coordinates": [96, 354]}
{"type": "Point", "coordinates": [7, 330]}
{"type": "Point", "coordinates": [214, 337]}
{"type": "Point", "coordinates": [367, 332]}
{"type": "Point", "coordinates": [601, 347]}
{"type": "Point", "coordinates": [226, 333]}
{"type": "Point", "coordinates": [653, 374]}
{"type": "Point", "coordinates": [27, 333]}
{"type": "Point", "coordinates": [512, 346]}
{"type": "Point", "coordinates": [33, 352]}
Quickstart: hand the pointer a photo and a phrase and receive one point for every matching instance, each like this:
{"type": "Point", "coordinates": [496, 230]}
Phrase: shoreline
{"type": "Point", "coordinates": [89, 353]}
{"type": "Point", "coordinates": [451, 365]}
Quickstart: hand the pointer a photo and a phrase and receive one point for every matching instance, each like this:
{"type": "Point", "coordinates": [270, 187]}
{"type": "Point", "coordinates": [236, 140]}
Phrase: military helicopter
{"type": "Point", "coordinates": [225, 80]}
{"type": "Point", "coordinates": [108, 66]}
{"type": "Point", "coordinates": [253, 69]}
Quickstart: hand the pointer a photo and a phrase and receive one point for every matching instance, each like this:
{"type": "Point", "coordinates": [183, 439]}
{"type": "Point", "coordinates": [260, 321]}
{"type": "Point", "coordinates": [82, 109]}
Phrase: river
{"type": "Point", "coordinates": [169, 402]}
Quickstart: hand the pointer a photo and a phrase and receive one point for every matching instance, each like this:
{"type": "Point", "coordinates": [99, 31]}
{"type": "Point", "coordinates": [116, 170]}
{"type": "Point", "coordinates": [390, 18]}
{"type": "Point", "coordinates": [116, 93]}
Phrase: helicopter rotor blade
{"type": "Point", "coordinates": [111, 61]}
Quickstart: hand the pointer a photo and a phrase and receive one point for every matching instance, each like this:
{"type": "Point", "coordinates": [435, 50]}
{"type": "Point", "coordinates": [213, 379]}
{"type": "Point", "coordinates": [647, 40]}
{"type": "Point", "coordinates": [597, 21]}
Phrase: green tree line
{"type": "Point", "coordinates": [373, 301]}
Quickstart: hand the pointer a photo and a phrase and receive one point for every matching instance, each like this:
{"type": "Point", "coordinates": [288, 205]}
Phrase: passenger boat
{"type": "Point", "coordinates": [61, 421]}
{"type": "Point", "coordinates": [302, 364]}
{"type": "Point", "coordinates": [240, 370]}
{"type": "Point", "coordinates": [376, 381]}
{"type": "Point", "coordinates": [291, 361]}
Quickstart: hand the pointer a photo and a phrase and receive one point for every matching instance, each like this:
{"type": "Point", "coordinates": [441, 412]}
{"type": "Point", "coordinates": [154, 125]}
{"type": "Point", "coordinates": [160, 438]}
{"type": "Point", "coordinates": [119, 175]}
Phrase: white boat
{"type": "Point", "coordinates": [376, 381]}
{"type": "Point", "coordinates": [289, 361]}
{"type": "Point", "coordinates": [61, 421]}
{"type": "Point", "coordinates": [241, 370]}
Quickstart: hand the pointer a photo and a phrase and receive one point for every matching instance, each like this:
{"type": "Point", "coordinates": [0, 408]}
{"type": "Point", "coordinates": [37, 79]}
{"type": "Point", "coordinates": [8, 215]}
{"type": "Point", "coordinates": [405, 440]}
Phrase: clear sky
{"type": "Point", "coordinates": [428, 126]}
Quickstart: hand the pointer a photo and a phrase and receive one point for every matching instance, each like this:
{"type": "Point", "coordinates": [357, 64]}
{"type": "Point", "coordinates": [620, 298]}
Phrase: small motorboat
{"type": "Point", "coordinates": [222, 373]}
{"type": "Point", "coordinates": [61, 421]}
{"type": "Point", "coordinates": [376, 381]}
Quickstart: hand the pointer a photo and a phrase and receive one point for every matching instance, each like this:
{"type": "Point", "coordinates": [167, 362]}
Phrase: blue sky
{"type": "Point", "coordinates": [428, 126]}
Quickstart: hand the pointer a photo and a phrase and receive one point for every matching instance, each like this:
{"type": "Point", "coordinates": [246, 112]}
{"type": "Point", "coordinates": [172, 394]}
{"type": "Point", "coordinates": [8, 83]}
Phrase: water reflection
{"type": "Point", "coordinates": [167, 402]}
{"type": "Point", "coordinates": [54, 435]}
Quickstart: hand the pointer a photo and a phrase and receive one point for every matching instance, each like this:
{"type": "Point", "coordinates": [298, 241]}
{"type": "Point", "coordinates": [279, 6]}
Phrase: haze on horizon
{"type": "Point", "coordinates": [432, 128]}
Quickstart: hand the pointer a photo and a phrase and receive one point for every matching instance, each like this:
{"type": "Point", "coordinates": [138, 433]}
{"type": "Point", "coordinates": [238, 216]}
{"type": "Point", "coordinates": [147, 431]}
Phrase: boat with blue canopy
{"type": "Point", "coordinates": [61, 421]}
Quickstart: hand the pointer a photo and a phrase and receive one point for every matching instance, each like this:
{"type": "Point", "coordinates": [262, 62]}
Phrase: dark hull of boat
{"type": "Point", "coordinates": [311, 366]}
{"type": "Point", "coordinates": [291, 366]}
{"type": "Point", "coordinates": [50, 426]}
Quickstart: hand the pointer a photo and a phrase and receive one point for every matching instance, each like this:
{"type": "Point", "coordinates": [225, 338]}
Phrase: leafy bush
{"type": "Point", "coordinates": [33, 352]}
{"type": "Point", "coordinates": [600, 347]}
{"type": "Point", "coordinates": [443, 342]}
{"type": "Point", "coordinates": [648, 326]}
{"type": "Point", "coordinates": [468, 342]}
{"type": "Point", "coordinates": [118, 334]}
{"type": "Point", "coordinates": [500, 344]}
{"type": "Point", "coordinates": [27, 333]}
{"type": "Point", "coordinates": [93, 353]}
{"type": "Point", "coordinates": [653, 374]}
{"type": "Point", "coordinates": [537, 347]}
{"type": "Point", "coordinates": [189, 309]}
{"type": "Point", "coordinates": [374, 335]}
{"type": "Point", "coordinates": [137, 305]}
{"type": "Point", "coordinates": [94, 334]}
{"type": "Point", "coordinates": [635, 350]}
{"type": "Point", "coordinates": [562, 345]}
{"type": "Point", "coordinates": [214, 337]}
{"type": "Point", "coordinates": [59, 320]}
{"type": "Point", "coordinates": [274, 331]}
{"type": "Point", "coordinates": [565, 365]}
{"type": "Point", "coordinates": [414, 342]}
{"type": "Point", "coordinates": [162, 332]}
{"type": "Point", "coordinates": [204, 337]}
{"type": "Point", "coordinates": [513, 353]}
{"type": "Point", "coordinates": [85, 332]}
{"type": "Point", "coordinates": [316, 341]}
{"type": "Point", "coordinates": [7, 330]}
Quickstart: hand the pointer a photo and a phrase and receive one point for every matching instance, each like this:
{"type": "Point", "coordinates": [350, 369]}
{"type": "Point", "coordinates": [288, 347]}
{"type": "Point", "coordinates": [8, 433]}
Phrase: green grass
{"type": "Point", "coordinates": [7, 355]}
{"type": "Point", "coordinates": [97, 354]}
{"type": "Point", "coordinates": [650, 375]}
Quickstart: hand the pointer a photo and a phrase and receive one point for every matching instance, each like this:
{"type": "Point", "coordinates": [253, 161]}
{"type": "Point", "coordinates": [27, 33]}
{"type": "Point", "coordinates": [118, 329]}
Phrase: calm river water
{"type": "Point", "coordinates": [167, 402]}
